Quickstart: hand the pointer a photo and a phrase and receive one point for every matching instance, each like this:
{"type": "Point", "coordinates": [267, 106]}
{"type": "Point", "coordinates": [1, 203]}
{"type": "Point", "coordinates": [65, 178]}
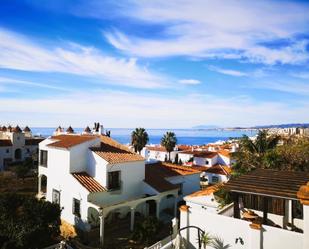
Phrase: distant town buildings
{"type": "Point", "coordinates": [16, 145]}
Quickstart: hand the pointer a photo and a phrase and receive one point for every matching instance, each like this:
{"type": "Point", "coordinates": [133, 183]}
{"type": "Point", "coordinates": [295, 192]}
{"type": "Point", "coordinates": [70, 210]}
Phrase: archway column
{"type": "Point", "coordinates": [101, 217]}
{"type": "Point", "coordinates": [132, 218]}
{"type": "Point", "coordinates": [158, 208]}
{"type": "Point", "coordinates": [40, 184]}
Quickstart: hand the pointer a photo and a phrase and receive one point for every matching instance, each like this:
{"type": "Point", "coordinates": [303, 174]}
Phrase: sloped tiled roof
{"type": "Point", "coordinates": [215, 169]}
{"type": "Point", "coordinates": [207, 191]}
{"type": "Point", "coordinates": [225, 153]}
{"type": "Point", "coordinates": [204, 154]}
{"type": "Point", "coordinates": [156, 173]}
{"type": "Point", "coordinates": [114, 152]}
{"type": "Point", "coordinates": [67, 141]}
{"type": "Point", "coordinates": [88, 182]}
{"type": "Point", "coordinates": [5, 143]}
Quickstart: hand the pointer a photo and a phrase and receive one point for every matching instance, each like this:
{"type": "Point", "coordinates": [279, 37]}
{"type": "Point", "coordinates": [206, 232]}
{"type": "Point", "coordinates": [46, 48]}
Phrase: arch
{"type": "Point", "coordinates": [17, 154]}
{"type": "Point", "coordinates": [93, 217]}
{"type": "Point", "coordinates": [43, 183]}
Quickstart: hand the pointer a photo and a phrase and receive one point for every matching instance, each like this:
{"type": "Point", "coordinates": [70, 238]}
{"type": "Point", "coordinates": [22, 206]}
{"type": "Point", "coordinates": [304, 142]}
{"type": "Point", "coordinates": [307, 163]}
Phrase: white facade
{"type": "Point", "coordinates": [65, 162]}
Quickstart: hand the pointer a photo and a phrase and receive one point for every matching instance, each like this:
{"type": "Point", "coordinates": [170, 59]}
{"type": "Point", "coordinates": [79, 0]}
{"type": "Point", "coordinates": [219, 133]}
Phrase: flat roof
{"type": "Point", "coordinates": [266, 182]}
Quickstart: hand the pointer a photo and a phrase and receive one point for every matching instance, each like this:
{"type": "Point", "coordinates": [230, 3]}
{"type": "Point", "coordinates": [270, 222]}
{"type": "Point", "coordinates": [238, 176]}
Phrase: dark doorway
{"type": "Point", "coordinates": [18, 154]}
{"type": "Point", "coordinates": [152, 207]}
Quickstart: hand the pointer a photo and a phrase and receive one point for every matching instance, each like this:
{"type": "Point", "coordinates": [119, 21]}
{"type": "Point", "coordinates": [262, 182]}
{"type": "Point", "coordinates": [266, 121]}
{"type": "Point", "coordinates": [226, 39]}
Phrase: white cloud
{"type": "Point", "coordinates": [301, 75]}
{"type": "Point", "coordinates": [21, 53]}
{"type": "Point", "coordinates": [189, 81]}
{"type": "Point", "coordinates": [233, 29]}
{"type": "Point", "coordinates": [292, 87]}
{"type": "Point", "coordinates": [227, 71]}
{"type": "Point", "coordinates": [147, 110]}
{"type": "Point", "coordinates": [10, 81]}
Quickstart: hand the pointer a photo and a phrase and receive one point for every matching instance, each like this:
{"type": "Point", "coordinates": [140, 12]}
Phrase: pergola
{"type": "Point", "coordinates": [267, 184]}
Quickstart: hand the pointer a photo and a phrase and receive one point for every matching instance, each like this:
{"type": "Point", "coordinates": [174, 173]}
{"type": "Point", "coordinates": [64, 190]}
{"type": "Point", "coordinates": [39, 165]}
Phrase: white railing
{"type": "Point", "coordinates": [162, 244]}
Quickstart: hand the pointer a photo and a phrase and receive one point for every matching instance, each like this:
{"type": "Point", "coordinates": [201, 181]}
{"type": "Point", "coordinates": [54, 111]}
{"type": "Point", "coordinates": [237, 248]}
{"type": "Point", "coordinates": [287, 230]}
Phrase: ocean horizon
{"type": "Point", "coordinates": [184, 136]}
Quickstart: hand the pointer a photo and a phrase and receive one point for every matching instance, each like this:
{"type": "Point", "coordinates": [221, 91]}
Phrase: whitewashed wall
{"type": "Point", "coordinates": [229, 229]}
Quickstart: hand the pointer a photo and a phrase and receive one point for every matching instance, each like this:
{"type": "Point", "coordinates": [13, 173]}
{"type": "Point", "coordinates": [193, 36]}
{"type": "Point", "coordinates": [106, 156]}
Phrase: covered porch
{"type": "Point", "coordinates": [153, 204]}
{"type": "Point", "coordinates": [269, 197]}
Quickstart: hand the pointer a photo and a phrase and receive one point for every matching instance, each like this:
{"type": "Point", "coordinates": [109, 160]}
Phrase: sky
{"type": "Point", "coordinates": [154, 64]}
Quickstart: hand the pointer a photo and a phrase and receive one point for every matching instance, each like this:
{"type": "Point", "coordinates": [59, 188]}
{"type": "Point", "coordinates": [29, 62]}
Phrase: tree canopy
{"type": "Point", "coordinates": [169, 141]}
{"type": "Point", "coordinates": [27, 222]}
{"type": "Point", "coordinates": [139, 138]}
{"type": "Point", "coordinates": [266, 152]}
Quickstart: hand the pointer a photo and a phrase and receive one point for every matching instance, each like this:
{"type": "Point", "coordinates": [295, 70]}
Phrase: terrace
{"type": "Point", "coordinates": [270, 209]}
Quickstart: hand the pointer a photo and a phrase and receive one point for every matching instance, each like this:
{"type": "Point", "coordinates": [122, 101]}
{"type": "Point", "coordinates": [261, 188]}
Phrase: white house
{"type": "Point", "coordinates": [159, 153]}
{"type": "Point", "coordinates": [16, 145]}
{"type": "Point", "coordinates": [93, 178]}
{"type": "Point", "coordinates": [205, 158]}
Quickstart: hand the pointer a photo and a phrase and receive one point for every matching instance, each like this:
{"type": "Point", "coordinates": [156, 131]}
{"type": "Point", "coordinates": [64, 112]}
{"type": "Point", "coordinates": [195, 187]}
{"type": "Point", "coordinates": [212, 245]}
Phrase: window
{"type": "Point", "coordinates": [43, 158]}
{"type": "Point", "coordinates": [114, 180]}
{"type": "Point", "coordinates": [7, 151]}
{"type": "Point", "coordinates": [56, 196]}
{"type": "Point", "coordinates": [76, 207]}
{"type": "Point", "coordinates": [28, 151]}
{"type": "Point", "coordinates": [215, 179]}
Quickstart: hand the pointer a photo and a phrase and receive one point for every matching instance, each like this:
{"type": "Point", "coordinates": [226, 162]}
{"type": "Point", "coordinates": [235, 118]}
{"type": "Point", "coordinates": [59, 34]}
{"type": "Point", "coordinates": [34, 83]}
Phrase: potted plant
{"type": "Point", "coordinates": [206, 239]}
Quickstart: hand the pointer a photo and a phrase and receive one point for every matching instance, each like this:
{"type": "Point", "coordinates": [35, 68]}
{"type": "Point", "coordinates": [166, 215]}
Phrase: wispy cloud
{"type": "Point", "coordinates": [21, 53]}
{"type": "Point", "coordinates": [189, 81]}
{"type": "Point", "coordinates": [78, 109]}
{"type": "Point", "coordinates": [238, 30]}
{"type": "Point", "coordinates": [301, 75]}
{"type": "Point", "coordinates": [10, 81]}
{"type": "Point", "coordinates": [227, 71]}
{"type": "Point", "coordinates": [292, 87]}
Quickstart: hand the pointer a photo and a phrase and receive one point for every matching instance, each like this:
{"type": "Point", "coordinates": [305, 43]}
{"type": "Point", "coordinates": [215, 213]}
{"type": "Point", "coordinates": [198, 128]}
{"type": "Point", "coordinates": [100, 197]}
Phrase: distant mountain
{"type": "Point", "coordinates": [206, 127]}
{"type": "Point", "coordinates": [282, 126]}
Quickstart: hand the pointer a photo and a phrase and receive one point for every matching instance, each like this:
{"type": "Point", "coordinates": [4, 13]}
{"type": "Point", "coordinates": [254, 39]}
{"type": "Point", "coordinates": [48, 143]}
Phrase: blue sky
{"type": "Point", "coordinates": [156, 64]}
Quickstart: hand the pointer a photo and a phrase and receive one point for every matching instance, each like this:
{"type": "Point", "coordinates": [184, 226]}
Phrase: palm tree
{"type": "Point", "coordinates": [261, 144]}
{"type": "Point", "coordinates": [169, 141]}
{"type": "Point", "coordinates": [139, 138]}
{"type": "Point", "coordinates": [258, 153]}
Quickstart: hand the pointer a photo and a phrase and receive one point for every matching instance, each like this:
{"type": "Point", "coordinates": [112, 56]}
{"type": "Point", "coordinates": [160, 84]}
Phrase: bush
{"type": "Point", "coordinates": [27, 222]}
{"type": "Point", "coordinates": [146, 230]}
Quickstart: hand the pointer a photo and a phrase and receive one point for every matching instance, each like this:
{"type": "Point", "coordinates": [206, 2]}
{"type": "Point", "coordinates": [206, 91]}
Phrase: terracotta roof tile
{"type": "Point", "coordinates": [204, 154]}
{"type": "Point", "coordinates": [215, 169]}
{"type": "Point", "coordinates": [156, 173]}
{"type": "Point", "coordinates": [89, 182]}
{"type": "Point", "coordinates": [225, 153]}
{"type": "Point", "coordinates": [207, 191]}
{"type": "Point", "coordinates": [67, 141]}
{"type": "Point", "coordinates": [169, 170]}
{"type": "Point", "coordinates": [114, 152]}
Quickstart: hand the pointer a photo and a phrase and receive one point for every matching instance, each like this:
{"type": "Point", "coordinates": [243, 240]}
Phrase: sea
{"type": "Point", "coordinates": [184, 136]}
